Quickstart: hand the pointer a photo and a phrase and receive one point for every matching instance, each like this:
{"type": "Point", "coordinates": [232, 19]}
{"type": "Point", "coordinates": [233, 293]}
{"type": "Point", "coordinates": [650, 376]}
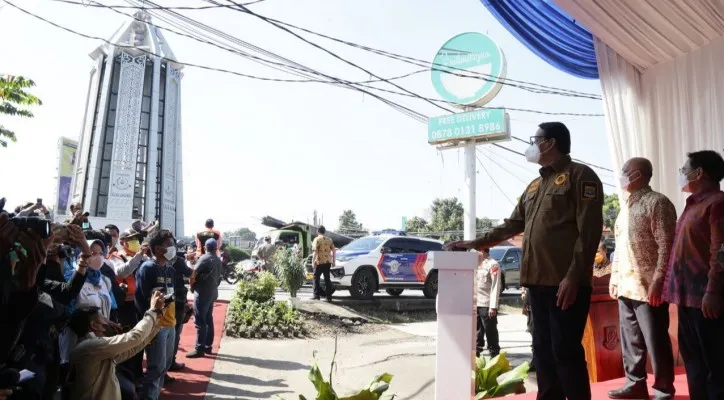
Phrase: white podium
{"type": "Point", "coordinates": [456, 325]}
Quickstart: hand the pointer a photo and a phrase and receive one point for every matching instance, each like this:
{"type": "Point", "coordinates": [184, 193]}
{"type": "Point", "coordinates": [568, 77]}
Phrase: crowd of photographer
{"type": "Point", "coordinates": [80, 306]}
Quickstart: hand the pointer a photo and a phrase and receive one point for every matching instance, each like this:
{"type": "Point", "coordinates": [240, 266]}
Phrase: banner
{"type": "Point", "coordinates": [66, 167]}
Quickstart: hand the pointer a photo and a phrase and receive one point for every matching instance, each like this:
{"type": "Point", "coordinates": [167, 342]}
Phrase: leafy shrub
{"type": "Point", "coordinates": [487, 372]}
{"type": "Point", "coordinates": [251, 319]}
{"type": "Point", "coordinates": [253, 313]}
{"type": "Point", "coordinates": [259, 290]}
{"type": "Point", "coordinates": [325, 391]}
{"type": "Point", "coordinates": [236, 254]}
{"type": "Point", "coordinates": [290, 270]}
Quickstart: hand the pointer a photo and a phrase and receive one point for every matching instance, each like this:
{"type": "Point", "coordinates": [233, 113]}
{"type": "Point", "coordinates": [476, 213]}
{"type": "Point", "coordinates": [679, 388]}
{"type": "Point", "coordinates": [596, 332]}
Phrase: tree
{"type": "Point", "coordinates": [13, 97]}
{"type": "Point", "coordinates": [447, 218]}
{"type": "Point", "coordinates": [417, 224]}
{"type": "Point", "coordinates": [348, 223]}
{"type": "Point", "coordinates": [244, 233]}
{"type": "Point", "coordinates": [483, 224]}
{"type": "Point", "coordinates": [611, 208]}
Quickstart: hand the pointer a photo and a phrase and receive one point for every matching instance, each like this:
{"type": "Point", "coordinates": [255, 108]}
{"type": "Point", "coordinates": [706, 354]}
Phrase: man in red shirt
{"type": "Point", "coordinates": [695, 278]}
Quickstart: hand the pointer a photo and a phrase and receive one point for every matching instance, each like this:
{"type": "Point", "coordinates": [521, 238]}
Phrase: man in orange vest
{"type": "Point", "coordinates": [208, 233]}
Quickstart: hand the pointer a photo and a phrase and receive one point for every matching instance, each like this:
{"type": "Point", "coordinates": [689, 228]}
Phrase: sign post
{"type": "Point", "coordinates": [467, 71]}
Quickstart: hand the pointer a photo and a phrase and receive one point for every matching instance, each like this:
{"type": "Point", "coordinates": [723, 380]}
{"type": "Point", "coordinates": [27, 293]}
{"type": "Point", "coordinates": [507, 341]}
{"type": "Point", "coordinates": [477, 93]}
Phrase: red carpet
{"type": "Point", "coordinates": [600, 390]}
{"type": "Point", "coordinates": [192, 381]}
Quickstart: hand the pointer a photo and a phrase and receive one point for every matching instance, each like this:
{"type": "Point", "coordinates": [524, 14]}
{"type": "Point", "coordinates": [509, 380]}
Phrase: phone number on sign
{"type": "Point", "coordinates": [466, 131]}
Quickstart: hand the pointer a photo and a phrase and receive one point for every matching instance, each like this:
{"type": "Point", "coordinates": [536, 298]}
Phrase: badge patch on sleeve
{"type": "Point", "coordinates": [589, 191]}
{"type": "Point", "coordinates": [534, 186]}
{"type": "Point", "coordinates": [494, 269]}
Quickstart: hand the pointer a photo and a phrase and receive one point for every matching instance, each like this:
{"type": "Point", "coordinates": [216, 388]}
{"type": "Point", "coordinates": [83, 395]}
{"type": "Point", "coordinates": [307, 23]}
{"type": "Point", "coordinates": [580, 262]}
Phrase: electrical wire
{"type": "Point", "coordinates": [155, 7]}
{"type": "Point", "coordinates": [574, 159]}
{"type": "Point", "coordinates": [521, 180]}
{"type": "Point", "coordinates": [270, 63]}
{"type": "Point", "coordinates": [481, 107]}
{"type": "Point", "coordinates": [493, 180]}
{"type": "Point", "coordinates": [331, 53]}
{"type": "Point", "coordinates": [242, 53]}
{"type": "Point", "coordinates": [552, 90]}
{"type": "Point", "coordinates": [409, 112]}
{"type": "Point", "coordinates": [332, 80]}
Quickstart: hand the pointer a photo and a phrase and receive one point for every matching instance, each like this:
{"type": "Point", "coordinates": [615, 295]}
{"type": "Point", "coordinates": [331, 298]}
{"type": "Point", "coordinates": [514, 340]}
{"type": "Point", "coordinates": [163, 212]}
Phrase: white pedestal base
{"type": "Point", "coordinates": [456, 325]}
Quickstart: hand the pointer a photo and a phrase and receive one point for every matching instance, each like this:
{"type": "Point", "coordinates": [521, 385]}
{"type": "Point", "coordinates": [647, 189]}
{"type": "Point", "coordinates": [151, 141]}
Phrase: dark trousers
{"type": "Point", "coordinates": [646, 328]}
{"type": "Point", "coordinates": [557, 334]}
{"type": "Point", "coordinates": [322, 269]}
{"type": "Point", "coordinates": [701, 342]}
{"type": "Point", "coordinates": [487, 327]}
{"type": "Point", "coordinates": [128, 318]}
{"type": "Point", "coordinates": [180, 314]}
{"type": "Point", "coordinates": [204, 321]}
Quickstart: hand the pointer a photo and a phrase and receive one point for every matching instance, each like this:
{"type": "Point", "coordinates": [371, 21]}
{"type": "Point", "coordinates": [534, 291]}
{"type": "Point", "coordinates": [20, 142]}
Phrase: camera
{"type": "Point", "coordinates": [38, 225]}
{"type": "Point", "coordinates": [169, 298]}
{"type": "Point", "coordinates": [65, 252]}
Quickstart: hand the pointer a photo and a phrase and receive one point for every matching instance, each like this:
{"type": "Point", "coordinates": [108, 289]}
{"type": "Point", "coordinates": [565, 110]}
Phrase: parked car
{"type": "Point", "coordinates": [390, 262]}
{"type": "Point", "coordinates": [509, 258]}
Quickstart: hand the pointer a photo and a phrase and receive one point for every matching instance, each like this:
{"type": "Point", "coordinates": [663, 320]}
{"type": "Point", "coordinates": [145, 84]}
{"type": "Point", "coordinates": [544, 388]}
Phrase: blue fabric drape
{"type": "Point", "coordinates": [548, 32]}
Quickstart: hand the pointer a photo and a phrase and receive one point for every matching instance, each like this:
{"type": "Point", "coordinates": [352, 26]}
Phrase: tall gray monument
{"type": "Point", "coordinates": [129, 161]}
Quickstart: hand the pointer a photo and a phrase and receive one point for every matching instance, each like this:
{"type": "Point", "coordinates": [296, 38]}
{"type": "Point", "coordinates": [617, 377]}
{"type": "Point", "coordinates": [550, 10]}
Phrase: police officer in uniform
{"type": "Point", "coordinates": [561, 216]}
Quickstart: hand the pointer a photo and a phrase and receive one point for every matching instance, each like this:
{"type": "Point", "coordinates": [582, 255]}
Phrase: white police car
{"type": "Point", "coordinates": [390, 262]}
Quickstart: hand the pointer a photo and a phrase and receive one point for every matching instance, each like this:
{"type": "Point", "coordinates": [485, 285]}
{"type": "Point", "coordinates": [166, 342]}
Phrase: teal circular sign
{"type": "Point", "coordinates": [468, 69]}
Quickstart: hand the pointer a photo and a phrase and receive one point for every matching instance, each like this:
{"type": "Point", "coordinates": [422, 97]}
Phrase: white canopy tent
{"type": "Point", "coordinates": [661, 66]}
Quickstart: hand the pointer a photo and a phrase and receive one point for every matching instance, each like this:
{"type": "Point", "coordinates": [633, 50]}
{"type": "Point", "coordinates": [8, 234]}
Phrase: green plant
{"type": "Point", "coordinates": [374, 391]}
{"type": "Point", "coordinates": [247, 318]}
{"type": "Point", "coordinates": [487, 372]}
{"type": "Point", "coordinates": [13, 96]}
{"type": "Point", "coordinates": [236, 254]}
{"type": "Point", "coordinates": [290, 270]}
{"type": "Point", "coordinates": [259, 290]}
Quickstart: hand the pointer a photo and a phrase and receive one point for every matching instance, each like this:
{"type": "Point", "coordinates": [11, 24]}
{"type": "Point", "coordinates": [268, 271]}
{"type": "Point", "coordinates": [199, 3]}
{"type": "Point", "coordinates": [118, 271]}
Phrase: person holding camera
{"type": "Point", "coordinates": [183, 271]}
{"type": "Point", "coordinates": [205, 287]}
{"type": "Point", "coordinates": [78, 217]}
{"type": "Point", "coordinates": [96, 292]}
{"type": "Point", "coordinates": [24, 244]}
{"type": "Point", "coordinates": [156, 274]}
{"type": "Point", "coordinates": [93, 361]}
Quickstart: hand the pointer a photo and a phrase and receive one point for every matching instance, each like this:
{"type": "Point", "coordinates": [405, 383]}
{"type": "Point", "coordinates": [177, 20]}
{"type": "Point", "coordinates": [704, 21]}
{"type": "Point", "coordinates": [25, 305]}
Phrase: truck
{"type": "Point", "coordinates": [297, 233]}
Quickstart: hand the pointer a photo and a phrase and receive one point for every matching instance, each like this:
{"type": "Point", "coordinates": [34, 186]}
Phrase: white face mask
{"type": "Point", "coordinates": [532, 154]}
{"type": "Point", "coordinates": [170, 253]}
{"type": "Point", "coordinates": [625, 181]}
{"type": "Point", "coordinates": [95, 262]}
{"type": "Point", "coordinates": [684, 183]}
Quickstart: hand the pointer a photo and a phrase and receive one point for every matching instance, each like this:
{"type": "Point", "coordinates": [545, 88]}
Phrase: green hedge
{"type": "Point", "coordinates": [253, 313]}
{"type": "Point", "coordinates": [236, 254]}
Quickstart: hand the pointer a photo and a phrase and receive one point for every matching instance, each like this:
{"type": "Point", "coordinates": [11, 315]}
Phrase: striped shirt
{"type": "Point", "coordinates": [693, 267]}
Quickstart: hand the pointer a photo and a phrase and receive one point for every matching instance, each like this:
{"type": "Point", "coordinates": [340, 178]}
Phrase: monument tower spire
{"type": "Point", "coordinates": [129, 164]}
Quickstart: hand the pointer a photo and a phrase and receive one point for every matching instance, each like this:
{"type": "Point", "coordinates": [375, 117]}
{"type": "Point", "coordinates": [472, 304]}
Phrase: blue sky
{"type": "Point", "coordinates": [286, 149]}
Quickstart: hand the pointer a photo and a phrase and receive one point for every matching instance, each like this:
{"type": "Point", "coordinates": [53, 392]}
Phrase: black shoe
{"type": "Point", "coordinates": [195, 354]}
{"type": "Point", "coordinates": [629, 393]}
{"type": "Point", "coordinates": [168, 380]}
{"type": "Point", "coordinates": [177, 366]}
{"type": "Point", "coordinates": [329, 299]}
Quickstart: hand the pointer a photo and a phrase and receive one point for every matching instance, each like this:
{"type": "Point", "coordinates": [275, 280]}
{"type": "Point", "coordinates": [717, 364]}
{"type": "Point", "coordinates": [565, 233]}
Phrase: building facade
{"type": "Point", "coordinates": [130, 160]}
